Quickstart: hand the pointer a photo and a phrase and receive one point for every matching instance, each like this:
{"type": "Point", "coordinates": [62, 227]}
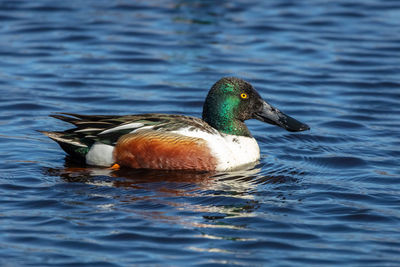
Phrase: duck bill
{"type": "Point", "coordinates": [274, 116]}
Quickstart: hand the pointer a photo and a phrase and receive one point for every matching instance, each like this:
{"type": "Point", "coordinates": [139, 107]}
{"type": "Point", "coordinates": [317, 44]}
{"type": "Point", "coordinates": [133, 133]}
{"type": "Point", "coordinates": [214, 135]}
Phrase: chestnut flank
{"type": "Point", "coordinates": [148, 149]}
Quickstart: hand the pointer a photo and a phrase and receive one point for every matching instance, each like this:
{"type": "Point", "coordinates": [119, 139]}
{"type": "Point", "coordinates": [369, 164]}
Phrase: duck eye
{"type": "Point", "coordinates": [244, 95]}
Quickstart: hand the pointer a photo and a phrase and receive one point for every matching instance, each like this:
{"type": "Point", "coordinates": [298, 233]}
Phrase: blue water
{"type": "Point", "coordinates": [329, 196]}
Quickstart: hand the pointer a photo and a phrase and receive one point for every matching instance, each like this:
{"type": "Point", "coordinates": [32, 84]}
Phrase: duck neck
{"type": "Point", "coordinates": [222, 120]}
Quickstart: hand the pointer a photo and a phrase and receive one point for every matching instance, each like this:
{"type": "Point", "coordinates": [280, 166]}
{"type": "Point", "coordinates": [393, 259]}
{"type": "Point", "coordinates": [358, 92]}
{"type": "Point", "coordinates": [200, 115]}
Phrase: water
{"type": "Point", "coordinates": [327, 196]}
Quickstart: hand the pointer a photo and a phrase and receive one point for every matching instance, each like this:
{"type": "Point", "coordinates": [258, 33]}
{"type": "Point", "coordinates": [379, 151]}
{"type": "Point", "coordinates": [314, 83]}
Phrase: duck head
{"type": "Point", "coordinates": [231, 101]}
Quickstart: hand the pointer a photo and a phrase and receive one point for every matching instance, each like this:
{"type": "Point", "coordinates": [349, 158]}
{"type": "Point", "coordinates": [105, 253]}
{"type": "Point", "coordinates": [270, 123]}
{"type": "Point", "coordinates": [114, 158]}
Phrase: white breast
{"type": "Point", "coordinates": [231, 151]}
{"type": "Point", "coordinates": [241, 150]}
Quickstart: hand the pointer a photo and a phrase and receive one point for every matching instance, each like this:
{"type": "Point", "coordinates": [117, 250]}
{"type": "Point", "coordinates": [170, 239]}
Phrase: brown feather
{"type": "Point", "coordinates": [163, 150]}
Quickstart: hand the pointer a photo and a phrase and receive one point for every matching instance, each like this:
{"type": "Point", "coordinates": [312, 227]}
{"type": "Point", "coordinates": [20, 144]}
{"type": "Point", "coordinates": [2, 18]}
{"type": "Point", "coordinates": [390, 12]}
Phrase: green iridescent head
{"type": "Point", "coordinates": [231, 101]}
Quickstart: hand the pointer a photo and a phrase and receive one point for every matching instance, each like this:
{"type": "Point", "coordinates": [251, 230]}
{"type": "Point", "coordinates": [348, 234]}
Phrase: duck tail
{"type": "Point", "coordinates": [69, 143]}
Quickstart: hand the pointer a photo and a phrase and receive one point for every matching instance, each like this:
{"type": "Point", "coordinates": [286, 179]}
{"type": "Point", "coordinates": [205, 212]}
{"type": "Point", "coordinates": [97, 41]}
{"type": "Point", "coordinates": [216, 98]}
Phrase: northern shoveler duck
{"type": "Point", "coordinates": [220, 141]}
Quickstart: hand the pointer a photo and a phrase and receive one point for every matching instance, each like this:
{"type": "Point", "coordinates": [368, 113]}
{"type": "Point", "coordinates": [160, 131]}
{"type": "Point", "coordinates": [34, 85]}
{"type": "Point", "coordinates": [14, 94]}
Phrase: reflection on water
{"type": "Point", "coordinates": [240, 181]}
{"type": "Point", "coordinates": [215, 195]}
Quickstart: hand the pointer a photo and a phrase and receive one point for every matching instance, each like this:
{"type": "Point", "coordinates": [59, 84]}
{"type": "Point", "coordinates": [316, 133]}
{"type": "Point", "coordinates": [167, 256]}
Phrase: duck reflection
{"type": "Point", "coordinates": [163, 195]}
{"type": "Point", "coordinates": [239, 183]}
{"type": "Point", "coordinates": [129, 178]}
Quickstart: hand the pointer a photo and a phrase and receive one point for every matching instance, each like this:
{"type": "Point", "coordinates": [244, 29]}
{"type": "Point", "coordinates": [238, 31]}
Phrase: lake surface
{"type": "Point", "coordinates": [329, 196]}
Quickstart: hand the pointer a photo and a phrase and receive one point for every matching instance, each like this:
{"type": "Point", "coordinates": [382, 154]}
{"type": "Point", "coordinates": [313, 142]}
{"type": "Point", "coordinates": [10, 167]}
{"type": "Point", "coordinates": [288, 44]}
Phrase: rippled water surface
{"type": "Point", "coordinates": [327, 196]}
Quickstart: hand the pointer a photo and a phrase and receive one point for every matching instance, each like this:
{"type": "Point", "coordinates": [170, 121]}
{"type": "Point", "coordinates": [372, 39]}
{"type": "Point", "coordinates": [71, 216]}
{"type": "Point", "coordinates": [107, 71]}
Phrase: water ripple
{"type": "Point", "coordinates": [324, 197]}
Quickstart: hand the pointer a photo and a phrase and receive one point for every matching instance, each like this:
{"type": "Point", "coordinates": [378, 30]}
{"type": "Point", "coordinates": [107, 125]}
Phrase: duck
{"type": "Point", "coordinates": [219, 141]}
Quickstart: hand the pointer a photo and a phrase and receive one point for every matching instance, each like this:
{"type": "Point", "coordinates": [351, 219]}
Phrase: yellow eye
{"type": "Point", "coordinates": [243, 95]}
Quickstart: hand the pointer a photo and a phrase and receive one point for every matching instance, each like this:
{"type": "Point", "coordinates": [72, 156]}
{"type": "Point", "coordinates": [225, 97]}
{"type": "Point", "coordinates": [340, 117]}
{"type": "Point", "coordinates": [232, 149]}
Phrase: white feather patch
{"type": "Point", "coordinates": [231, 151]}
{"type": "Point", "coordinates": [132, 125]}
{"type": "Point", "coordinates": [88, 130]}
{"type": "Point", "coordinates": [100, 155]}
